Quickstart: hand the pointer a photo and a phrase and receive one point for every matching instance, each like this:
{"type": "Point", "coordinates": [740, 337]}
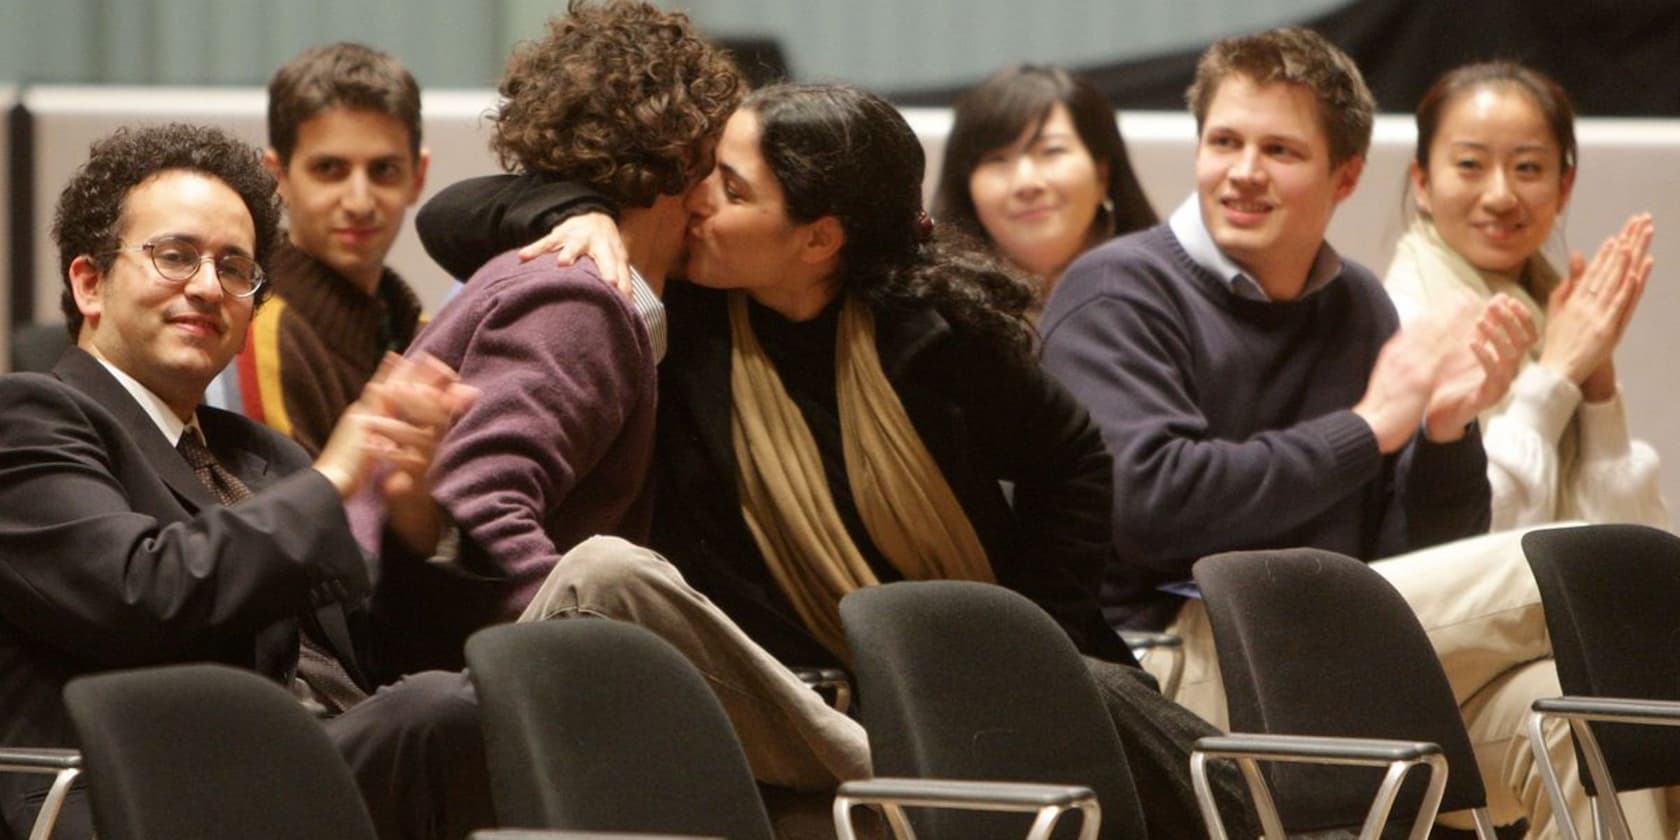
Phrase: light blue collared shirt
{"type": "Point", "coordinates": [651, 310]}
{"type": "Point", "coordinates": [1191, 230]}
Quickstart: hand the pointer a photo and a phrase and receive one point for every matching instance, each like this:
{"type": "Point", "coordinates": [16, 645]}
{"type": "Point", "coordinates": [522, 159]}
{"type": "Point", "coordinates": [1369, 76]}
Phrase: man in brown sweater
{"type": "Point", "coordinates": [344, 145]}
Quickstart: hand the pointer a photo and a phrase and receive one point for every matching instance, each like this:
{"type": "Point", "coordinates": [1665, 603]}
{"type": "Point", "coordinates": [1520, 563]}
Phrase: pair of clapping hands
{"type": "Point", "coordinates": [1589, 311]}
{"type": "Point", "coordinates": [393, 428]}
{"type": "Point", "coordinates": [1442, 370]}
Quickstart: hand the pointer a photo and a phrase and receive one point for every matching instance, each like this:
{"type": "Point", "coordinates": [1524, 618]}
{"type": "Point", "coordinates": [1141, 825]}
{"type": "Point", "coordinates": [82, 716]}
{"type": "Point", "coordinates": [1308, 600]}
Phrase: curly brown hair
{"type": "Point", "coordinates": [90, 209]}
{"type": "Point", "coordinates": [620, 96]}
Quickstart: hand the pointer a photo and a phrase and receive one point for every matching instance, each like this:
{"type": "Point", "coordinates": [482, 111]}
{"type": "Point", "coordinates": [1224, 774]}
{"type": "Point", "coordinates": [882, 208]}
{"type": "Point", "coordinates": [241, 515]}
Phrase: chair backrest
{"type": "Point", "coordinates": [1313, 642]}
{"type": "Point", "coordinates": [36, 347]}
{"type": "Point", "coordinates": [963, 680]}
{"type": "Point", "coordinates": [1612, 599]}
{"type": "Point", "coordinates": [203, 751]}
{"type": "Point", "coordinates": [599, 725]}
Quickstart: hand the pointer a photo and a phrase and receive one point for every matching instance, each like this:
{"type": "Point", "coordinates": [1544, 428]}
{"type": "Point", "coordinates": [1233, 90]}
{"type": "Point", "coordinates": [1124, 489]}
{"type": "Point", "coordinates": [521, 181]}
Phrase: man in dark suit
{"type": "Point", "coordinates": [138, 528]}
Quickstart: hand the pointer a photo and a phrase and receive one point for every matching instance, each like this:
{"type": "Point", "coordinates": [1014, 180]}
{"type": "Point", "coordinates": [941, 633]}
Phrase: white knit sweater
{"type": "Point", "coordinates": [1551, 455]}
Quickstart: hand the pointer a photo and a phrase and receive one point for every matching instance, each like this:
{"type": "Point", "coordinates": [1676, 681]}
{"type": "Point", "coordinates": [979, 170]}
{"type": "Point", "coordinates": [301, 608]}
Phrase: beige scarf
{"type": "Point", "coordinates": [902, 497]}
{"type": "Point", "coordinates": [1429, 272]}
{"type": "Point", "coordinates": [1426, 269]}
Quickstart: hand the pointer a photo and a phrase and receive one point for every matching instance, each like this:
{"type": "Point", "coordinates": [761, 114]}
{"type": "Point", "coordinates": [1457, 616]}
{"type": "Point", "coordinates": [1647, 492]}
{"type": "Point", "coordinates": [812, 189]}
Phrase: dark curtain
{"type": "Point", "coordinates": [1615, 57]}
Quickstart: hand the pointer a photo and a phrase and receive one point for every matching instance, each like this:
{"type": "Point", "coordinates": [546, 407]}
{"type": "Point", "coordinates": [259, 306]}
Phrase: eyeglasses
{"type": "Point", "coordinates": [178, 260]}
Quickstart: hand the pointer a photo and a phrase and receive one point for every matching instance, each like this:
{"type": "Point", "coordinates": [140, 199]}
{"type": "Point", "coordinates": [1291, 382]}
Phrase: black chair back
{"type": "Point", "coordinates": [599, 725]}
{"type": "Point", "coordinates": [36, 347]}
{"type": "Point", "coordinates": [1313, 642]}
{"type": "Point", "coordinates": [960, 680]}
{"type": "Point", "coordinates": [1612, 599]}
{"type": "Point", "coordinates": [203, 751]}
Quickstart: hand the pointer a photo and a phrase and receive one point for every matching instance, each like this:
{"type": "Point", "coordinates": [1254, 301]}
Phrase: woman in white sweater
{"type": "Point", "coordinates": [1494, 166]}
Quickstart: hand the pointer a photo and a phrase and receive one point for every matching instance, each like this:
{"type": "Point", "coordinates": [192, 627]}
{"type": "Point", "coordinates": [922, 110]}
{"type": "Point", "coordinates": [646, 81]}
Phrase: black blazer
{"type": "Point", "coordinates": [984, 420]}
{"type": "Point", "coordinates": [113, 555]}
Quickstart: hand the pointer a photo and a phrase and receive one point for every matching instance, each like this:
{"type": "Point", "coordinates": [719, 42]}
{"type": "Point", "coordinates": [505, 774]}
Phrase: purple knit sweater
{"type": "Point", "coordinates": [1230, 424]}
{"type": "Point", "coordinates": [556, 449]}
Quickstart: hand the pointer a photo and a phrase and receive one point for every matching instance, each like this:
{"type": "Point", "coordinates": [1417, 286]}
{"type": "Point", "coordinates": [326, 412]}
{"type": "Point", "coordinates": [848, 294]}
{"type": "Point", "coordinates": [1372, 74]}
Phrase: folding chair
{"type": "Point", "coordinates": [1326, 664]}
{"type": "Point", "coordinates": [599, 725]}
{"type": "Point", "coordinates": [1611, 594]}
{"type": "Point", "coordinates": [961, 680]}
{"type": "Point", "coordinates": [63, 765]}
{"type": "Point", "coordinates": [209, 751]}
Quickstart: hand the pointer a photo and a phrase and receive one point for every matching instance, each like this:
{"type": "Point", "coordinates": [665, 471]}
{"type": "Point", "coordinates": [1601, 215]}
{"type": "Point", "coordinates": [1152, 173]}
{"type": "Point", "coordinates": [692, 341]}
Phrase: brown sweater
{"type": "Point", "coordinates": [316, 342]}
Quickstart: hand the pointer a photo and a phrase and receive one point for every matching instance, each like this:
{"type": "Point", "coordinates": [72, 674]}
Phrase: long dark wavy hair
{"type": "Point", "coordinates": [840, 151]}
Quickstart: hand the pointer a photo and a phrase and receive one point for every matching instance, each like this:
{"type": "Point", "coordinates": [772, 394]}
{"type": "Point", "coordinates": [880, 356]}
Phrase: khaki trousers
{"type": "Point", "coordinates": [792, 738]}
{"type": "Point", "coordinates": [1478, 603]}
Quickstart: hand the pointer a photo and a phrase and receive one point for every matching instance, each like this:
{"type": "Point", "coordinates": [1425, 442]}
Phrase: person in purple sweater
{"type": "Point", "coordinates": [1255, 392]}
{"type": "Point", "coordinates": [558, 446]}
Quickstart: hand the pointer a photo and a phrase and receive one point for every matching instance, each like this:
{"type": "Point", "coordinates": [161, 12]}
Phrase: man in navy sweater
{"type": "Point", "coordinates": [1255, 392]}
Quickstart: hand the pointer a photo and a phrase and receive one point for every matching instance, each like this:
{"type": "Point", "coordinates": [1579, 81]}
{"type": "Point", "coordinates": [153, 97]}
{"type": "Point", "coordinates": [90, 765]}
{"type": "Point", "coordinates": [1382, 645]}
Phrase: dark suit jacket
{"type": "Point", "coordinates": [984, 419]}
{"type": "Point", "coordinates": [113, 555]}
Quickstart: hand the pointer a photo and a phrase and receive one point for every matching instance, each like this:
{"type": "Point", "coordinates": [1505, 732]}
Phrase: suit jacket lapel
{"type": "Point", "coordinates": [82, 371]}
{"type": "Point", "coordinates": [235, 448]}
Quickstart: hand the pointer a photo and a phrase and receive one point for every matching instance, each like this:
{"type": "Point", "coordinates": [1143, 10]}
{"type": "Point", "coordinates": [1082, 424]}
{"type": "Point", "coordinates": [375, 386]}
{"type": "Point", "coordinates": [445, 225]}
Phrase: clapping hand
{"type": "Point", "coordinates": [1589, 311]}
{"type": "Point", "coordinates": [396, 423]}
{"type": "Point", "coordinates": [1478, 367]}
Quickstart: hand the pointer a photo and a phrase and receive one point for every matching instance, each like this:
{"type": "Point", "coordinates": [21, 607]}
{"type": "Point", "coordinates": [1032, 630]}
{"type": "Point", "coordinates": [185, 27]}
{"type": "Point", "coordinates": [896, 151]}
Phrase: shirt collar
{"type": "Point", "coordinates": [651, 311]}
{"type": "Point", "coordinates": [151, 403]}
{"type": "Point", "coordinates": [1190, 229]}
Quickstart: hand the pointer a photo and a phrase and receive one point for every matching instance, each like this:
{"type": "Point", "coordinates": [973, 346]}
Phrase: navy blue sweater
{"type": "Point", "coordinates": [1230, 425]}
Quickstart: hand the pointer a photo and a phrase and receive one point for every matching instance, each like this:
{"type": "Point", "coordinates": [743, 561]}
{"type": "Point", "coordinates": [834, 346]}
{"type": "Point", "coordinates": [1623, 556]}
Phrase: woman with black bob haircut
{"type": "Point", "coordinates": [1035, 167]}
{"type": "Point", "coordinates": [846, 389]}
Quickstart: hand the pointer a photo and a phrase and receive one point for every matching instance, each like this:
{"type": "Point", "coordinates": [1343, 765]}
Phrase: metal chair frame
{"type": "Point", "coordinates": [1609, 821]}
{"type": "Point", "coordinates": [64, 765]}
{"type": "Point", "coordinates": [832, 683]}
{"type": "Point", "coordinates": [1400, 757]}
{"type": "Point", "coordinates": [1049, 802]}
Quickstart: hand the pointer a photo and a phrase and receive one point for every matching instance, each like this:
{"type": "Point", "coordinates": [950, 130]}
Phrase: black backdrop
{"type": "Point", "coordinates": [1615, 57]}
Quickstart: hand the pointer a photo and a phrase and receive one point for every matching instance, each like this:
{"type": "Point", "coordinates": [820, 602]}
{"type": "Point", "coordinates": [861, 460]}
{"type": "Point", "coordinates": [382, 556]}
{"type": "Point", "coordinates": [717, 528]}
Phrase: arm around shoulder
{"type": "Point", "coordinates": [469, 222]}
